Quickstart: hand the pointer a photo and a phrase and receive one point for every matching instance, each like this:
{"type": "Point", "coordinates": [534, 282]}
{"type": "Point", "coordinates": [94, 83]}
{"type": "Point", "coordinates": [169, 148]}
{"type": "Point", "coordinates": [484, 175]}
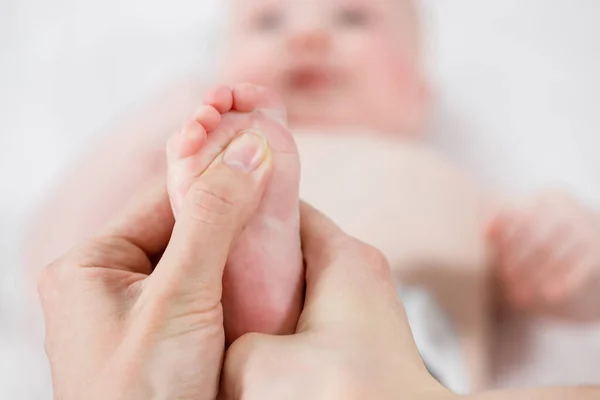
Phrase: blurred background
{"type": "Point", "coordinates": [516, 81]}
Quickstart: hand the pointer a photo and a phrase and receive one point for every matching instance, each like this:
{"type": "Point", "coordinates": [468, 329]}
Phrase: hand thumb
{"type": "Point", "coordinates": [215, 210]}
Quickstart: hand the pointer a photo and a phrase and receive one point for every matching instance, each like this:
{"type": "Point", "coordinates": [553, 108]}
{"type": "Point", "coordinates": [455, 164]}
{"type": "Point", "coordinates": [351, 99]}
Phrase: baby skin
{"type": "Point", "coordinates": [549, 256]}
{"type": "Point", "coordinates": [263, 285]}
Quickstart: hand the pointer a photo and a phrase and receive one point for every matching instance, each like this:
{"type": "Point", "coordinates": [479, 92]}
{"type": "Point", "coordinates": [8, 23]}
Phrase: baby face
{"type": "Point", "coordinates": [336, 63]}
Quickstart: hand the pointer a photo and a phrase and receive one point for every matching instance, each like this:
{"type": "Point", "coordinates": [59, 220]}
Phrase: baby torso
{"type": "Point", "coordinates": [399, 197]}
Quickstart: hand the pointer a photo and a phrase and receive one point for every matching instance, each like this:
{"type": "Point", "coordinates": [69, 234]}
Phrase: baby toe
{"type": "Point", "coordinates": [209, 117]}
{"type": "Point", "coordinates": [221, 98]}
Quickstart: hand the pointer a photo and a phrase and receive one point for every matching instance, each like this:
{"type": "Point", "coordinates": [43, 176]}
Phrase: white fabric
{"type": "Point", "coordinates": [517, 80]}
{"type": "Point", "coordinates": [436, 339]}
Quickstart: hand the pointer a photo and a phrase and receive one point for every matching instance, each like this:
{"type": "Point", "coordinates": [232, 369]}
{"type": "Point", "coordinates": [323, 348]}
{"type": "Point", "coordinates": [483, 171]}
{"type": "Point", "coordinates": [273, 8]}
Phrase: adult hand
{"type": "Point", "coordinates": [352, 341]}
{"type": "Point", "coordinates": [120, 327]}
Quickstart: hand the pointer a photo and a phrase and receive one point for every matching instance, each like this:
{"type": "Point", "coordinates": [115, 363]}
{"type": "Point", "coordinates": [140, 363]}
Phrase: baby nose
{"type": "Point", "coordinates": [314, 41]}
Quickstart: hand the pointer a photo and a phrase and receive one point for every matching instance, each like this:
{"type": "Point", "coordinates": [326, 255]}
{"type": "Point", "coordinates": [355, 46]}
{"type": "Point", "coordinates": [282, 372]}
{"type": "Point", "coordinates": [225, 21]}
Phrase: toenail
{"type": "Point", "coordinates": [246, 152]}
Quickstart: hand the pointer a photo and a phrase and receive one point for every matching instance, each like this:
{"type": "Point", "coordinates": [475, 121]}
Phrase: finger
{"type": "Point", "coordinates": [320, 237]}
{"type": "Point", "coordinates": [221, 98]}
{"type": "Point", "coordinates": [581, 275]}
{"type": "Point", "coordinates": [499, 224]}
{"type": "Point", "coordinates": [568, 268]}
{"type": "Point", "coordinates": [348, 282]}
{"type": "Point", "coordinates": [541, 257]}
{"type": "Point", "coordinates": [524, 251]}
{"type": "Point", "coordinates": [503, 228]}
{"type": "Point", "coordinates": [521, 297]}
{"type": "Point", "coordinates": [215, 210]}
{"type": "Point", "coordinates": [553, 256]}
{"type": "Point", "coordinates": [567, 249]}
{"type": "Point", "coordinates": [566, 284]}
{"type": "Point", "coordinates": [147, 221]}
{"type": "Point", "coordinates": [517, 230]}
{"type": "Point", "coordinates": [496, 230]}
{"type": "Point", "coordinates": [534, 252]}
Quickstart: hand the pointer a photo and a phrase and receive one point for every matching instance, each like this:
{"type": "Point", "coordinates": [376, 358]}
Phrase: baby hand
{"type": "Point", "coordinates": [549, 250]}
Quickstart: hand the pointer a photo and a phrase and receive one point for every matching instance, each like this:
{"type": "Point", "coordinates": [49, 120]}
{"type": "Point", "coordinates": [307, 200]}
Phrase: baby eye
{"type": "Point", "coordinates": [269, 21]}
{"type": "Point", "coordinates": [354, 17]}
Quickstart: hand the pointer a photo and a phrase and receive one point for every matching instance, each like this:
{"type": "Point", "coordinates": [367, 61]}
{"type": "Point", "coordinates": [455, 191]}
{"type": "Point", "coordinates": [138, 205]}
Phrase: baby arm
{"type": "Point", "coordinates": [549, 256]}
{"type": "Point", "coordinates": [129, 155]}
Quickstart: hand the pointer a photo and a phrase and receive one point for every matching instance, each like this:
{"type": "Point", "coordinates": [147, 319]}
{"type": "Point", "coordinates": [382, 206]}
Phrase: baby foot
{"type": "Point", "coordinates": [549, 254]}
{"type": "Point", "coordinates": [263, 284]}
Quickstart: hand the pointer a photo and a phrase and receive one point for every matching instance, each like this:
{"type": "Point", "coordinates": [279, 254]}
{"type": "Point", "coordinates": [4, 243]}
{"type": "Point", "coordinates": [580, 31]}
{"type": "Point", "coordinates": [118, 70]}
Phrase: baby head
{"type": "Point", "coordinates": [336, 63]}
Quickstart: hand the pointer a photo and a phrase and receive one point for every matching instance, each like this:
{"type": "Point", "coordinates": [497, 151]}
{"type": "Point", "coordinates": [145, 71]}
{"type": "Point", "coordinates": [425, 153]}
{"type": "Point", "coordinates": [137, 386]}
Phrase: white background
{"type": "Point", "coordinates": [518, 85]}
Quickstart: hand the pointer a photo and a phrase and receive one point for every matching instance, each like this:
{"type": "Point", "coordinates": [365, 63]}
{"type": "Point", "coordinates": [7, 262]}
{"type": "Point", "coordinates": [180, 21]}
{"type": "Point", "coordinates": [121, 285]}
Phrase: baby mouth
{"type": "Point", "coordinates": [310, 79]}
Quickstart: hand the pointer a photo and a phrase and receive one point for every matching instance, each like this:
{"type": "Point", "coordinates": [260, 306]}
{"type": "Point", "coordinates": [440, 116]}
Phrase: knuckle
{"type": "Point", "coordinates": [212, 205]}
{"type": "Point", "coordinates": [380, 265]}
{"type": "Point", "coordinates": [372, 258]}
{"type": "Point", "coordinates": [208, 320]}
{"type": "Point", "coordinates": [64, 271]}
{"type": "Point", "coordinates": [371, 254]}
{"type": "Point", "coordinates": [378, 262]}
{"type": "Point", "coordinates": [54, 279]}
